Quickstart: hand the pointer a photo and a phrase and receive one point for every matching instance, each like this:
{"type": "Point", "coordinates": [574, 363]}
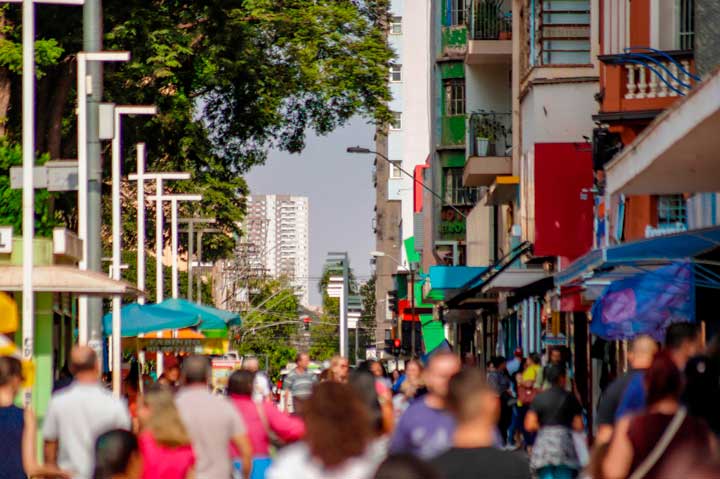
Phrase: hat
{"type": "Point", "coordinates": [171, 362]}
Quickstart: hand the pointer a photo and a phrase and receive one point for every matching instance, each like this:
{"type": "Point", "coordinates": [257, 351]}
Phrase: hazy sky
{"type": "Point", "coordinates": [341, 192]}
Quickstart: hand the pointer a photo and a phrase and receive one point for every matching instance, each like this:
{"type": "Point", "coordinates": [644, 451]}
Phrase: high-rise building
{"type": "Point", "coordinates": [277, 226]}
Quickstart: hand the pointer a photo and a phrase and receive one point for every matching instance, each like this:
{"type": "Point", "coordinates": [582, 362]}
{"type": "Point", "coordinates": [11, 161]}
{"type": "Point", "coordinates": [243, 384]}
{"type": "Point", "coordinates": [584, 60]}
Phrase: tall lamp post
{"type": "Point", "coordinates": [411, 269]}
{"type": "Point", "coordinates": [338, 285]}
{"type": "Point", "coordinates": [83, 58]}
{"type": "Point", "coordinates": [191, 247]}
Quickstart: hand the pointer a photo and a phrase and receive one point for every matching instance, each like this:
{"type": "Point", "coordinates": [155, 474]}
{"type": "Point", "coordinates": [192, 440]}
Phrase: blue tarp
{"type": "Point", "coordinates": [136, 319]}
{"type": "Point", "coordinates": [660, 250]}
{"type": "Point", "coordinates": [211, 318]}
{"type": "Point", "coordinates": [646, 303]}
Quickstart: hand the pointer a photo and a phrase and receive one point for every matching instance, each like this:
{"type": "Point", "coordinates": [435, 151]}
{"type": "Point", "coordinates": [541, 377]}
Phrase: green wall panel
{"type": "Point", "coordinates": [453, 159]}
{"type": "Point", "coordinates": [452, 70]}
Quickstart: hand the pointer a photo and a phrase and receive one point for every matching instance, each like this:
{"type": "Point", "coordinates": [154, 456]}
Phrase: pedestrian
{"type": "Point", "coordinates": [165, 445]}
{"type": "Point", "coordinates": [515, 364]}
{"type": "Point", "coordinates": [406, 466]}
{"type": "Point", "coordinates": [78, 414]}
{"type": "Point", "coordinates": [18, 458]}
{"type": "Point", "coordinates": [378, 370]}
{"type": "Point", "coordinates": [171, 372]}
{"type": "Point", "coordinates": [298, 384]}
{"type": "Point", "coordinates": [379, 407]}
{"type": "Point", "coordinates": [555, 414]}
{"type": "Point", "coordinates": [663, 441]}
{"type": "Point", "coordinates": [682, 341]}
{"type": "Point", "coordinates": [499, 380]}
{"type": "Point", "coordinates": [476, 408]}
{"type": "Point", "coordinates": [338, 439]}
{"type": "Point", "coordinates": [117, 456]}
{"type": "Point", "coordinates": [426, 428]}
{"type": "Point", "coordinates": [212, 422]}
{"type": "Point", "coordinates": [339, 369]}
{"type": "Point", "coordinates": [261, 386]}
{"type": "Point", "coordinates": [557, 357]}
{"type": "Point", "coordinates": [408, 387]}
{"type": "Point", "coordinates": [640, 356]}
{"type": "Point", "coordinates": [527, 389]}
{"type": "Point", "coordinates": [266, 425]}
{"type": "Point", "coordinates": [395, 376]}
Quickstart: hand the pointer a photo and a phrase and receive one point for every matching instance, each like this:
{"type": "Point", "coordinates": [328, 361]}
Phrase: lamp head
{"type": "Point", "coordinates": [377, 254]}
{"type": "Point", "coordinates": [358, 149]}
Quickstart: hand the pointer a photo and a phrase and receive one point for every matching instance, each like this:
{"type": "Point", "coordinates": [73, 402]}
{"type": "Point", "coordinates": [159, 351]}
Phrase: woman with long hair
{"type": "Point", "coordinates": [408, 387]}
{"type": "Point", "coordinates": [266, 425]}
{"type": "Point", "coordinates": [164, 442]}
{"type": "Point", "coordinates": [338, 440]}
{"type": "Point", "coordinates": [664, 441]}
{"type": "Point", "coordinates": [339, 369]}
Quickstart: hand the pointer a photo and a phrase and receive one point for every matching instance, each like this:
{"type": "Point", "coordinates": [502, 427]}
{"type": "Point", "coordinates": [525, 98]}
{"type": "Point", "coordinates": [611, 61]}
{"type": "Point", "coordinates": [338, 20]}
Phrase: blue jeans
{"type": "Point", "coordinates": [514, 426]}
{"type": "Point", "coordinates": [260, 466]}
{"type": "Point", "coordinates": [557, 472]}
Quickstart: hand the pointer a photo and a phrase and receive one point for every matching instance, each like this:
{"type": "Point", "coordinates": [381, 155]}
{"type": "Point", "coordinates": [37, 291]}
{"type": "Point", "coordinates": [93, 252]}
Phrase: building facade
{"type": "Point", "coordinates": [277, 227]}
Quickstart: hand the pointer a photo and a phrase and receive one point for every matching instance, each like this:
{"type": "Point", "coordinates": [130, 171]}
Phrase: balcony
{"type": "Point", "coordinates": [645, 80]}
{"type": "Point", "coordinates": [490, 142]}
{"type": "Point", "coordinates": [452, 132]}
{"type": "Point", "coordinates": [489, 32]}
{"type": "Point", "coordinates": [462, 196]}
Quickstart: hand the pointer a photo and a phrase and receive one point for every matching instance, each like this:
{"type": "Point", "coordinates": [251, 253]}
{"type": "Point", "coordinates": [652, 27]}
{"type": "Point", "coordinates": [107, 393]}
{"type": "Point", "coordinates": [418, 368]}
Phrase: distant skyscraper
{"type": "Point", "coordinates": [278, 227]}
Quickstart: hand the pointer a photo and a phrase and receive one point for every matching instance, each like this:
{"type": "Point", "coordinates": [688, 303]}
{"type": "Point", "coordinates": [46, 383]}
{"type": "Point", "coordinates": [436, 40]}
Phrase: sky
{"type": "Point", "coordinates": [340, 191]}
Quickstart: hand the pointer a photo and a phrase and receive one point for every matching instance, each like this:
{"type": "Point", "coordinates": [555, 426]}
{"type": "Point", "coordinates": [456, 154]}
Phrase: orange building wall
{"type": "Point", "coordinates": [640, 211]}
{"type": "Point", "coordinates": [640, 23]}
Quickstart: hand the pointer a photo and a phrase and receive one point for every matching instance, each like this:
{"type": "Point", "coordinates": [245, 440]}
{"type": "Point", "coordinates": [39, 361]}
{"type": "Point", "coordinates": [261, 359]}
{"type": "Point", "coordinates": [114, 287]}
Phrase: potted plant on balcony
{"type": "Point", "coordinates": [487, 130]}
{"type": "Point", "coordinates": [506, 30]}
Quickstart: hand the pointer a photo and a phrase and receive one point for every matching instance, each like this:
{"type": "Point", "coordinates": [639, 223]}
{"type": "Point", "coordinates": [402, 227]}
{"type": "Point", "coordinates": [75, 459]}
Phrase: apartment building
{"type": "Point", "coordinates": [278, 228]}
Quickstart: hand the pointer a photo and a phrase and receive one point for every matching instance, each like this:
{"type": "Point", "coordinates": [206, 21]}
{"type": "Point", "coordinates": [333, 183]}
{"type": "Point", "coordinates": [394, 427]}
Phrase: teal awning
{"type": "Point", "coordinates": [445, 281]}
{"type": "Point", "coordinates": [137, 319]}
{"type": "Point", "coordinates": [211, 318]}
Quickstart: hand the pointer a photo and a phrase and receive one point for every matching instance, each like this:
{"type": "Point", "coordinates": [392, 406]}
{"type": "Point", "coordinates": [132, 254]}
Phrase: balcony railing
{"type": "Point", "coordinates": [489, 133]}
{"type": "Point", "coordinates": [490, 20]}
{"type": "Point", "coordinates": [462, 196]}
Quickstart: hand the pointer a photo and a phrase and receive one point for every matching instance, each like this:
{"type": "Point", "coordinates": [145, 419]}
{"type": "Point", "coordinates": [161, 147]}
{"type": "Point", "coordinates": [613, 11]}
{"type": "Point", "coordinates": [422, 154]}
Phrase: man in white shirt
{"type": "Point", "coordinates": [261, 384]}
{"type": "Point", "coordinates": [78, 414]}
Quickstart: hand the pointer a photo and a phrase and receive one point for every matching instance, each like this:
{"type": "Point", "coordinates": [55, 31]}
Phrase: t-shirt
{"type": "Point", "coordinates": [556, 407]}
{"type": "Point", "coordinates": [299, 384]}
{"type": "Point", "coordinates": [211, 422]}
{"type": "Point", "coordinates": [12, 423]}
{"type": "Point", "coordinates": [423, 431]}
{"type": "Point", "coordinates": [610, 400]}
{"type": "Point", "coordinates": [261, 387]}
{"type": "Point", "coordinates": [481, 463]}
{"type": "Point", "coordinates": [633, 400]}
{"type": "Point", "coordinates": [162, 462]}
{"type": "Point", "coordinates": [296, 462]}
{"type": "Point", "coordinates": [76, 416]}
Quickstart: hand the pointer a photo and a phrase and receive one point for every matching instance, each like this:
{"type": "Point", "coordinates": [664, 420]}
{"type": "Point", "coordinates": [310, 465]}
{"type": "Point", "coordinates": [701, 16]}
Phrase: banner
{"type": "Point", "coordinates": [646, 303]}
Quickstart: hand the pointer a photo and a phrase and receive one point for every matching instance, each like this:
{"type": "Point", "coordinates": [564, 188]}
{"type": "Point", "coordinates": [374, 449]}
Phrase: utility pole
{"type": "Point", "coordinates": [92, 42]}
{"type": "Point", "coordinates": [412, 310]}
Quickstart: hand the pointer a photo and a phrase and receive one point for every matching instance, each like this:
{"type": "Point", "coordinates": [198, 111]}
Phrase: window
{"type": "Point", "coordinates": [455, 97]}
{"type": "Point", "coordinates": [671, 210]}
{"type": "Point", "coordinates": [395, 25]}
{"type": "Point", "coordinates": [396, 123]}
{"type": "Point", "coordinates": [395, 73]}
{"type": "Point", "coordinates": [564, 30]}
{"type": "Point", "coordinates": [687, 25]}
{"type": "Point", "coordinates": [457, 12]}
{"type": "Point", "coordinates": [395, 171]}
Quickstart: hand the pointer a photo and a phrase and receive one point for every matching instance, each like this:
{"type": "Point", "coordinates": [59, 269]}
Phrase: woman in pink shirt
{"type": "Point", "coordinates": [264, 422]}
{"type": "Point", "coordinates": [164, 442]}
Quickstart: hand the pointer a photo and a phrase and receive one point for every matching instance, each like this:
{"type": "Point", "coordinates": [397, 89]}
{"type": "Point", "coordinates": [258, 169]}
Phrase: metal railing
{"type": "Point", "coordinates": [465, 195]}
{"type": "Point", "coordinates": [496, 127]}
{"type": "Point", "coordinates": [490, 20]}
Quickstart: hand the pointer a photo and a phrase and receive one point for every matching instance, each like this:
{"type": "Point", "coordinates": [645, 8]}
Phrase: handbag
{"type": "Point", "coordinates": [662, 445]}
{"type": "Point", "coordinates": [274, 439]}
{"type": "Point", "coordinates": [526, 394]}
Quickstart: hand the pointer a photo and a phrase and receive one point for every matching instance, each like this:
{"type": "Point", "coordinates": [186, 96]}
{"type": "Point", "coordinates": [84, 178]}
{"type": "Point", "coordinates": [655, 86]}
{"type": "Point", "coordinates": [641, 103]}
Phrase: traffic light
{"type": "Point", "coordinates": [393, 301]}
{"type": "Point", "coordinates": [306, 323]}
{"type": "Point", "coordinates": [393, 347]}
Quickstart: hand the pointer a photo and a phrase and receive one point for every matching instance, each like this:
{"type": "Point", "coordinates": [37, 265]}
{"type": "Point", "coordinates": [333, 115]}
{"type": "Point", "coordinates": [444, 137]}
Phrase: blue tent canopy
{"type": "Point", "coordinates": [137, 319]}
{"type": "Point", "coordinates": [211, 318]}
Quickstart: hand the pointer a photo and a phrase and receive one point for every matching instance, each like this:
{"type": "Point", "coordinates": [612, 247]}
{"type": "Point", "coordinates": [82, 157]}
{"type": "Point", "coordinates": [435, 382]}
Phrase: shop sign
{"type": "Point", "coordinates": [452, 223]}
{"type": "Point", "coordinates": [552, 340]}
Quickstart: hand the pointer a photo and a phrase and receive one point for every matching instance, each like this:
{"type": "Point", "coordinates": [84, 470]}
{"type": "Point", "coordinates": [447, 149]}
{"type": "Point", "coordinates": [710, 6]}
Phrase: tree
{"type": "Point", "coordinates": [367, 321]}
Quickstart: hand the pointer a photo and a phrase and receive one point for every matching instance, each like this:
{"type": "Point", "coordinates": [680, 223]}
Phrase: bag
{"type": "Point", "coordinates": [274, 439]}
{"type": "Point", "coordinates": [662, 445]}
{"type": "Point", "coordinates": [526, 395]}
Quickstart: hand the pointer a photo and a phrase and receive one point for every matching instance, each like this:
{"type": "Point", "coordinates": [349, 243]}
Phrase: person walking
{"type": "Point", "coordinates": [527, 389]}
{"type": "Point", "coordinates": [78, 414]}
{"type": "Point", "coordinates": [298, 384]}
{"type": "Point", "coordinates": [264, 422]}
{"type": "Point", "coordinates": [426, 428]}
{"type": "Point", "coordinates": [408, 387]}
{"type": "Point", "coordinates": [640, 356]}
{"type": "Point", "coordinates": [515, 364]}
{"type": "Point", "coordinates": [476, 408]}
{"type": "Point", "coordinates": [261, 385]}
{"type": "Point", "coordinates": [171, 372]}
{"type": "Point", "coordinates": [212, 422]}
{"type": "Point", "coordinates": [117, 456]}
{"type": "Point", "coordinates": [554, 414]}
{"type": "Point", "coordinates": [339, 369]}
{"type": "Point", "coordinates": [499, 380]}
{"type": "Point", "coordinates": [164, 442]}
{"type": "Point", "coordinates": [664, 441]}
{"type": "Point", "coordinates": [338, 441]}
{"type": "Point", "coordinates": [18, 458]}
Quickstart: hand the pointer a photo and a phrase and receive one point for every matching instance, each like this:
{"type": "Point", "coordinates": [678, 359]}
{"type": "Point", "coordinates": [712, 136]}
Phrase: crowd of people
{"type": "Point", "coordinates": [445, 419]}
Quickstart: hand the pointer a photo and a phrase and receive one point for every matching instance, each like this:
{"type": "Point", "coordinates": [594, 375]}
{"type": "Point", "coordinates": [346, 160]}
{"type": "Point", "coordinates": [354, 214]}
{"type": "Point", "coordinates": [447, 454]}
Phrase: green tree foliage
{"type": "Point", "coordinates": [270, 324]}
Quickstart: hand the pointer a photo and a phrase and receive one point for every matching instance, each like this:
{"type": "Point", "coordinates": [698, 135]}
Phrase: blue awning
{"type": "Point", "coordinates": [136, 319]}
{"type": "Point", "coordinates": [652, 251]}
{"type": "Point", "coordinates": [211, 318]}
{"type": "Point", "coordinates": [445, 281]}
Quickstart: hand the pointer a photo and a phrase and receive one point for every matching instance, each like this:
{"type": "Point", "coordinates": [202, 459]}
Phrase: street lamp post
{"type": "Point", "coordinates": [83, 174]}
{"type": "Point", "coordinates": [191, 246]}
{"type": "Point", "coordinates": [362, 150]}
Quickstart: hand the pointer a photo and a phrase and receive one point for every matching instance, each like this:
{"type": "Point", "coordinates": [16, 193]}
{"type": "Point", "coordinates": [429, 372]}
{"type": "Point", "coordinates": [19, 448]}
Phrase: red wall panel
{"type": "Point", "coordinates": [563, 221]}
